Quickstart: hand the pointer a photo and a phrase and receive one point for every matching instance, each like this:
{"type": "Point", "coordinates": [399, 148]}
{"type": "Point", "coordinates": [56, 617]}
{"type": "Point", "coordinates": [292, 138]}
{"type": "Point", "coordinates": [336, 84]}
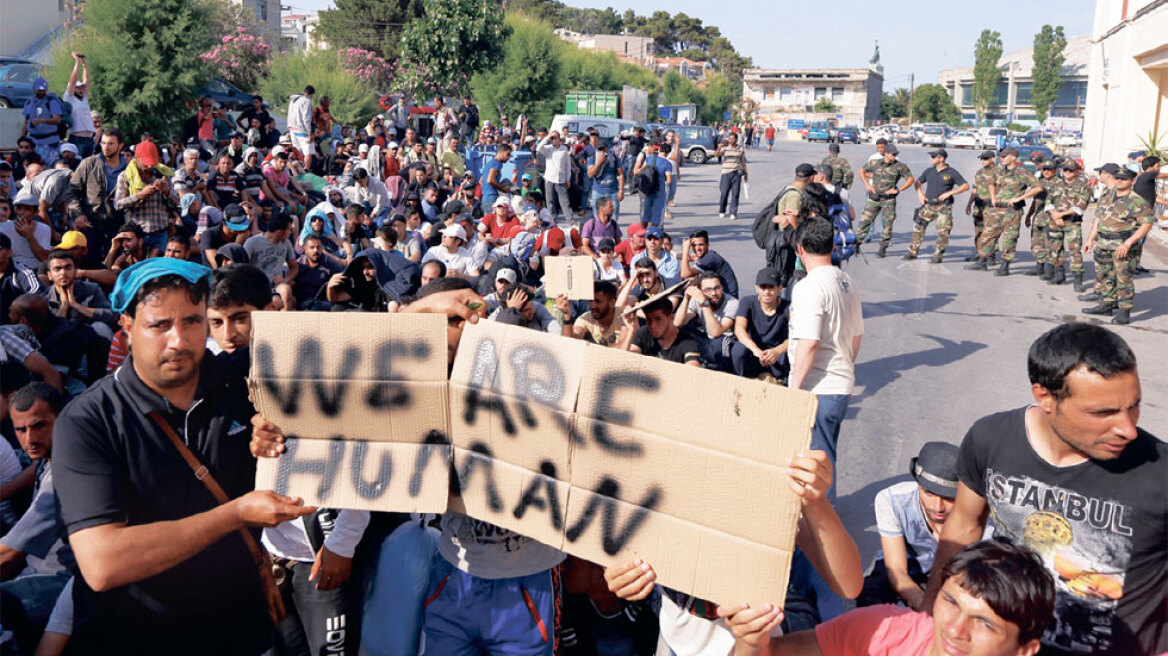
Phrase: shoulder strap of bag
{"type": "Point", "coordinates": [275, 602]}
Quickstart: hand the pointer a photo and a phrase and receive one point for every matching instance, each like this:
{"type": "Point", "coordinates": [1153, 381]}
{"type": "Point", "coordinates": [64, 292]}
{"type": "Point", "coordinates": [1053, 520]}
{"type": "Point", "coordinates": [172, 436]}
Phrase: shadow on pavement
{"type": "Point", "coordinates": [930, 303]}
{"type": "Point", "coordinates": [876, 374]}
{"type": "Point", "coordinates": [1154, 304]}
{"type": "Point", "coordinates": [857, 513]}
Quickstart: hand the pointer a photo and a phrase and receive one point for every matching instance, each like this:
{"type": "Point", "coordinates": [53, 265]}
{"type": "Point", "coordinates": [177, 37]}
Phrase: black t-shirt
{"type": "Point", "coordinates": [113, 464]}
{"type": "Point", "coordinates": [1100, 527]}
{"type": "Point", "coordinates": [1145, 186]}
{"type": "Point", "coordinates": [253, 117]}
{"type": "Point", "coordinates": [938, 182]}
{"type": "Point", "coordinates": [213, 239]}
{"type": "Point", "coordinates": [311, 279]}
{"type": "Point", "coordinates": [684, 349]}
{"type": "Point", "coordinates": [767, 331]}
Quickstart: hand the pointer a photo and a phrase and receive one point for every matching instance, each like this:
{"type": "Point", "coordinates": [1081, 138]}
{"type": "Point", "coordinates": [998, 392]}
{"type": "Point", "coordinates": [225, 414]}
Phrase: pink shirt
{"type": "Point", "coordinates": [877, 631]}
{"type": "Point", "coordinates": [206, 121]}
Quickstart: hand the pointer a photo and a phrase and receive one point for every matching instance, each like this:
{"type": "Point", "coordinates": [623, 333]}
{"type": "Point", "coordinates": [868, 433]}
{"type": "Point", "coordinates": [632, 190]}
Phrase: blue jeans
{"type": "Point", "coordinates": [157, 240]}
{"type": "Point", "coordinates": [50, 153]}
{"type": "Point", "coordinates": [653, 207]}
{"type": "Point", "coordinates": [27, 602]}
{"type": "Point", "coordinates": [597, 194]}
{"type": "Point", "coordinates": [85, 145]}
{"type": "Point", "coordinates": [825, 433]}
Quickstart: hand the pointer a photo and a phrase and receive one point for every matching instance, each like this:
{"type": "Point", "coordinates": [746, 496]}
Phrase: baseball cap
{"type": "Point", "coordinates": [432, 140]}
{"type": "Point", "coordinates": [655, 233]}
{"type": "Point", "coordinates": [606, 244]}
{"type": "Point", "coordinates": [891, 149]}
{"type": "Point", "coordinates": [938, 152]}
{"type": "Point", "coordinates": [363, 148]}
{"type": "Point", "coordinates": [27, 196]}
{"type": "Point", "coordinates": [987, 154]}
{"type": "Point", "coordinates": [768, 277]}
{"type": "Point", "coordinates": [147, 154]}
{"type": "Point", "coordinates": [935, 468]}
{"type": "Point", "coordinates": [392, 144]}
{"type": "Point", "coordinates": [1125, 174]}
{"type": "Point", "coordinates": [1049, 166]}
{"type": "Point", "coordinates": [69, 148]}
{"type": "Point", "coordinates": [1136, 153]}
{"type": "Point", "coordinates": [834, 148]}
{"type": "Point", "coordinates": [73, 239]}
{"type": "Point", "coordinates": [185, 203]}
{"type": "Point", "coordinates": [636, 229]}
{"type": "Point", "coordinates": [236, 135]}
{"type": "Point", "coordinates": [454, 231]}
{"type": "Point", "coordinates": [804, 170]}
{"type": "Point", "coordinates": [527, 176]}
{"type": "Point", "coordinates": [1071, 165]}
{"type": "Point", "coordinates": [235, 218]}
{"type": "Point", "coordinates": [506, 274]}
{"type": "Point", "coordinates": [40, 84]}
{"type": "Point", "coordinates": [286, 139]}
{"type": "Point", "coordinates": [1109, 167]}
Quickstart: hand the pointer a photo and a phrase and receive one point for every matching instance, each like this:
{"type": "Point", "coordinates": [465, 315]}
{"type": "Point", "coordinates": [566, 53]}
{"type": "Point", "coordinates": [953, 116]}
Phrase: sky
{"type": "Point", "coordinates": [916, 36]}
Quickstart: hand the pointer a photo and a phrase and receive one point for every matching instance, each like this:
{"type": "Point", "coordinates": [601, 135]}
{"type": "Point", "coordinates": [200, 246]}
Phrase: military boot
{"type": "Point", "coordinates": [1059, 276]}
{"type": "Point", "coordinates": [1048, 272]}
{"type": "Point", "coordinates": [909, 256]}
{"type": "Point", "coordinates": [977, 265]}
{"type": "Point", "coordinates": [1090, 296]}
{"type": "Point", "coordinates": [1036, 270]}
{"type": "Point", "coordinates": [1122, 317]}
{"type": "Point", "coordinates": [883, 252]}
{"type": "Point", "coordinates": [993, 258]}
{"type": "Point", "coordinates": [1077, 276]}
{"type": "Point", "coordinates": [1003, 270]}
{"type": "Point", "coordinates": [1102, 308]}
{"type": "Point", "coordinates": [937, 257]}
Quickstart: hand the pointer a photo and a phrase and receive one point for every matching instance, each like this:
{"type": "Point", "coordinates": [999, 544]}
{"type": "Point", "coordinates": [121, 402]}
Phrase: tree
{"type": "Point", "coordinates": [528, 78]}
{"type": "Point", "coordinates": [721, 94]}
{"type": "Point", "coordinates": [144, 57]}
{"type": "Point", "coordinates": [453, 40]}
{"type": "Point", "coordinates": [932, 104]}
{"type": "Point", "coordinates": [1049, 44]}
{"type": "Point", "coordinates": [353, 102]}
{"type": "Point", "coordinates": [825, 106]}
{"type": "Point", "coordinates": [986, 53]}
{"type": "Point", "coordinates": [894, 105]}
{"type": "Point", "coordinates": [368, 24]}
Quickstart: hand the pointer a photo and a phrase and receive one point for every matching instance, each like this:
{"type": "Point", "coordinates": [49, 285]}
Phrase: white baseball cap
{"type": "Point", "coordinates": [454, 231]}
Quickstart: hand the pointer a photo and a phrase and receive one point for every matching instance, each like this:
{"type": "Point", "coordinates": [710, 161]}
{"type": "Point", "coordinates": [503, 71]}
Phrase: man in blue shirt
{"type": "Point", "coordinates": [653, 205]}
{"type": "Point", "coordinates": [492, 179]}
{"type": "Point", "coordinates": [42, 117]}
{"type": "Point", "coordinates": [607, 176]}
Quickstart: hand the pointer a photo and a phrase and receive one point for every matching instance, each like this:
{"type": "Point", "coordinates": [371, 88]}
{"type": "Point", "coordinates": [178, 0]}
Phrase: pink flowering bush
{"type": "Point", "coordinates": [368, 67]}
{"type": "Point", "coordinates": [241, 58]}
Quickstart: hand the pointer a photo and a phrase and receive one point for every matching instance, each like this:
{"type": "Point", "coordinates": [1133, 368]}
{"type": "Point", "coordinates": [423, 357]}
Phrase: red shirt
{"type": "Point", "coordinates": [499, 231]}
{"type": "Point", "coordinates": [770, 132]}
{"type": "Point", "coordinates": [877, 631]}
{"type": "Point", "coordinates": [624, 251]}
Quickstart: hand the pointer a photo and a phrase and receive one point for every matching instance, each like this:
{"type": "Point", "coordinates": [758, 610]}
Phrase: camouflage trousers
{"type": "Point", "coordinates": [1072, 233]}
{"type": "Point", "coordinates": [1113, 276]}
{"type": "Point", "coordinates": [1001, 222]}
{"type": "Point", "coordinates": [943, 215]}
{"type": "Point", "coordinates": [874, 207]}
{"type": "Point", "coordinates": [1040, 239]}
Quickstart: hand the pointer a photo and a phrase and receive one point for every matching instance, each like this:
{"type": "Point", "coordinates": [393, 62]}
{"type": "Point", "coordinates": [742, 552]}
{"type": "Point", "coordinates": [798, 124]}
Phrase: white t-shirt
{"type": "Point", "coordinates": [21, 252]}
{"type": "Point", "coordinates": [82, 119]}
{"type": "Point", "coordinates": [490, 552]}
{"type": "Point", "coordinates": [460, 261]}
{"type": "Point", "coordinates": [825, 306]}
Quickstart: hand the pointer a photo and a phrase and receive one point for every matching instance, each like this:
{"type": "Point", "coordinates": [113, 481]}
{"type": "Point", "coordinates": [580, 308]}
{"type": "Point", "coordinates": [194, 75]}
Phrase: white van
{"type": "Point", "coordinates": [573, 124]}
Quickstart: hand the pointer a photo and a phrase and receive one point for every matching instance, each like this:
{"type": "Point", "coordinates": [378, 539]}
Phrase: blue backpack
{"type": "Point", "coordinates": [844, 238]}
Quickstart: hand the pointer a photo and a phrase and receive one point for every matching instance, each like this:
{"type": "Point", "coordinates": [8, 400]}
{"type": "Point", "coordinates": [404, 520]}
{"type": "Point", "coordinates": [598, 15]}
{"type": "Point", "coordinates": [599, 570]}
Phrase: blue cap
{"type": "Point", "coordinates": [132, 279]}
{"type": "Point", "coordinates": [654, 233]}
{"type": "Point", "coordinates": [185, 203]}
{"type": "Point", "coordinates": [236, 218]}
{"type": "Point", "coordinates": [40, 84]}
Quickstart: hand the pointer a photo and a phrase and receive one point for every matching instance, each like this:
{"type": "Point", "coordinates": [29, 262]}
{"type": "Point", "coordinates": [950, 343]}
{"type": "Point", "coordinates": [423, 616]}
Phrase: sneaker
{"type": "Point", "coordinates": [733, 217]}
{"type": "Point", "coordinates": [721, 215]}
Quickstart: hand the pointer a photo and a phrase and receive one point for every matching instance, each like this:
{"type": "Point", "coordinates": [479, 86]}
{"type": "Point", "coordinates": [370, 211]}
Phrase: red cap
{"type": "Point", "coordinates": [636, 229]}
{"type": "Point", "coordinates": [147, 154]}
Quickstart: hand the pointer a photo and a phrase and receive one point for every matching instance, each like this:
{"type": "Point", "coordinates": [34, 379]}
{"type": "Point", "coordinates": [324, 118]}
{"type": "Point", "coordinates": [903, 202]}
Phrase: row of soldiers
{"type": "Point", "coordinates": [1059, 195]}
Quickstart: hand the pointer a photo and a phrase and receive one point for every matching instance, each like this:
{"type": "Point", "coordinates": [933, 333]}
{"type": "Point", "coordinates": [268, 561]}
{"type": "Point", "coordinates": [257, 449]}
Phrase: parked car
{"type": "Point", "coordinates": [848, 133]}
{"type": "Point", "coordinates": [933, 135]}
{"type": "Point", "coordinates": [16, 84]}
{"type": "Point", "coordinates": [905, 136]}
{"type": "Point", "coordinates": [698, 142]}
{"type": "Point", "coordinates": [963, 139]}
{"type": "Point", "coordinates": [227, 95]}
{"type": "Point", "coordinates": [6, 60]}
{"type": "Point", "coordinates": [1026, 153]}
{"type": "Point", "coordinates": [819, 131]}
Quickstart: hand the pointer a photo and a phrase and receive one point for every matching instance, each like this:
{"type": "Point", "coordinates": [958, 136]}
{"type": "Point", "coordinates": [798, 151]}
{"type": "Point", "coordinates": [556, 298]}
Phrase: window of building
{"type": "Point", "coordinates": [1001, 94]}
{"type": "Point", "coordinates": [1022, 93]}
{"type": "Point", "coordinates": [837, 93]}
{"type": "Point", "coordinates": [966, 95]}
{"type": "Point", "coordinates": [1072, 94]}
{"type": "Point", "coordinates": [264, 10]}
{"type": "Point", "coordinates": [786, 94]}
{"type": "Point", "coordinates": [820, 92]}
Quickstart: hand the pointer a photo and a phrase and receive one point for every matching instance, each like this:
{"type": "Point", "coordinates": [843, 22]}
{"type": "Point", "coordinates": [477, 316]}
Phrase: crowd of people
{"type": "Point", "coordinates": [127, 501]}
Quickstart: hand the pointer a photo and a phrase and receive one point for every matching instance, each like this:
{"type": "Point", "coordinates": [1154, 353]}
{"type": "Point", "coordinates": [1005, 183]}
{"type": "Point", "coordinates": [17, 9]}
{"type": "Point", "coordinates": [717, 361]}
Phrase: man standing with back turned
{"type": "Point", "coordinates": [1072, 477]}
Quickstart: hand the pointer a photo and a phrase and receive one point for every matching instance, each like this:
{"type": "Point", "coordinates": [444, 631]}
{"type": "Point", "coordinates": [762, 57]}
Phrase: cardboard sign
{"type": "Point", "coordinates": [570, 276]}
{"type": "Point", "coordinates": [605, 454]}
{"type": "Point", "coordinates": [672, 290]}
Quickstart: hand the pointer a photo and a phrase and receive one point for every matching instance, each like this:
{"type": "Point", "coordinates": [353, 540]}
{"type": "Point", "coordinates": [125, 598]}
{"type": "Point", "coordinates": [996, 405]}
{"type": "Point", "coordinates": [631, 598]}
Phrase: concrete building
{"type": "Point", "coordinates": [268, 11]}
{"type": "Point", "coordinates": [630, 48]}
{"type": "Point", "coordinates": [27, 26]}
{"type": "Point", "coordinates": [1127, 92]}
{"type": "Point", "coordinates": [793, 93]}
{"type": "Point", "coordinates": [1012, 101]}
{"type": "Point", "coordinates": [298, 32]}
{"type": "Point", "coordinates": [687, 68]}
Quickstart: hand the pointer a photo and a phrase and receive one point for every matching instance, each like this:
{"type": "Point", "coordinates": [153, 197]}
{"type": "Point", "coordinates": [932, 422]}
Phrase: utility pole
{"type": "Point", "coordinates": [911, 88]}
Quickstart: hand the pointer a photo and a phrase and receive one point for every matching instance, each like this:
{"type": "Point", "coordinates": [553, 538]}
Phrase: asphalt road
{"type": "Point", "coordinates": [942, 346]}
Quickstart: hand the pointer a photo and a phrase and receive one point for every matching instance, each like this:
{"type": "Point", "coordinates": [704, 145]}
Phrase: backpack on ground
{"type": "Point", "coordinates": [647, 180]}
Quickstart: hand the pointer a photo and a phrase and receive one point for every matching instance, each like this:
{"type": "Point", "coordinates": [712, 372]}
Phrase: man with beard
{"type": "Point", "coordinates": [71, 298]}
{"type": "Point", "coordinates": [659, 338]}
{"type": "Point", "coordinates": [599, 324]}
{"type": "Point", "coordinates": [715, 313]}
{"type": "Point", "coordinates": [127, 248]}
{"type": "Point", "coordinates": [42, 117]}
{"type": "Point", "coordinates": [315, 271]}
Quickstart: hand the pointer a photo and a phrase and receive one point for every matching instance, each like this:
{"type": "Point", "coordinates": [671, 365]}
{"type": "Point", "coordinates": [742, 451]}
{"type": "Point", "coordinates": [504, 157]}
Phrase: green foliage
{"type": "Point", "coordinates": [1155, 145]}
{"type": "Point", "coordinates": [144, 60]}
{"type": "Point", "coordinates": [1049, 44]}
{"type": "Point", "coordinates": [894, 105]}
{"type": "Point", "coordinates": [353, 102]}
{"type": "Point", "coordinates": [453, 40]}
{"type": "Point", "coordinates": [1017, 127]}
{"type": "Point", "coordinates": [986, 53]}
{"type": "Point", "coordinates": [721, 94]}
{"type": "Point", "coordinates": [932, 104]}
{"type": "Point", "coordinates": [368, 24]}
{"type": "Point", "coordinates": [528, 78]}
{"type": "Point", "coordinates": [825, 105]}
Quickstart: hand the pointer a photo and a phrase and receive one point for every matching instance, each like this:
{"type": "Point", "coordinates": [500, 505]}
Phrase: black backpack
{"type": "Point", "coordinates": [647, 182]}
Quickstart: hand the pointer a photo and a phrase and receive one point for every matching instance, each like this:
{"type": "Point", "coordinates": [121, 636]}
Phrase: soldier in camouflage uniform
{"type": "Point", "coordinates": [1120, 226]}
{"type": "Point", "coordinates": [1010, 187]}
{"type": "Point", "coordinates": [941, 183]}
{"type": "Point", "coordinates": [882, 177]}
{"type": "Point", "coordinates": [979, 200]}
{"type": "Point", "coordinates": [1068, 203]}
{"type": "Point", "coordinates": [1038, 220]}
{"type": "Point", "coordinates": [842, 175]}
{"type": "Point", "coordinates": [1106, 196]}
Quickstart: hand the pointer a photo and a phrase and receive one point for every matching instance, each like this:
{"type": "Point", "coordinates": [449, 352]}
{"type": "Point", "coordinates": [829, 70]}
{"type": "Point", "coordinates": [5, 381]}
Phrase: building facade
{"type": "Point", "coordinates": [1127, 92]}
{"type": "Point", "coordinates": [298, 32]}
{"type": "Point", "coordinates": [628, 47]}
{"type": "Point", "coordinates": [1012, 98]}
{"type": "Point", "coordinates": [268, 13]}
{"type": "Point", "coordinates": [855, 92]}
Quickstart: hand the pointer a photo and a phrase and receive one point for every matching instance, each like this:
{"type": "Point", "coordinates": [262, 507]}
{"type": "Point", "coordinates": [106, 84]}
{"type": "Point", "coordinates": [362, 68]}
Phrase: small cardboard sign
{"type": "Point", "coordinates": [570, 276]}
{"type": "Point", "coordinates": [604, 454]}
